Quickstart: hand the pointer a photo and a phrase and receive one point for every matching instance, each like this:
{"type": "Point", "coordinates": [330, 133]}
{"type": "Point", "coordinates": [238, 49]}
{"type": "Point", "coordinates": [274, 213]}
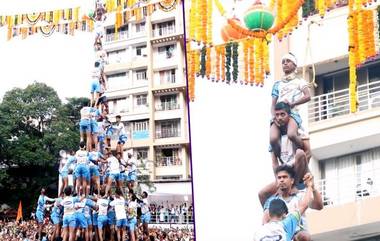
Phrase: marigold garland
{"type": "Point", "coordinates": [223, 64]}
{"type": "Point", "coordinates": [209, 21]}
{"type": "Point", "coordinates": [208, 62]}
{"type": "Point", "coordinates": [217, 63]}
{"type": "Point", "coordinates": [246, 63]}
{"type": "Point", "coordinates": [252, 61]}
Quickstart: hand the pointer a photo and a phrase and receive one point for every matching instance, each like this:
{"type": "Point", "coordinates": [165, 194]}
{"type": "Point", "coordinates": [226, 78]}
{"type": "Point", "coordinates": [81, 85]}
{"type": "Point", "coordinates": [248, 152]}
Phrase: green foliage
{"type": "Point", "coordinates": [34, 126]}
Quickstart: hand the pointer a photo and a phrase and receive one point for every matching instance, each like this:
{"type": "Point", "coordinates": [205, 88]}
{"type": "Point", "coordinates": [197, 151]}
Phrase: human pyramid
{"type": "Point", "coordinates": [285, 200]}
{"type": "Point", "coordinates": [89, 209]}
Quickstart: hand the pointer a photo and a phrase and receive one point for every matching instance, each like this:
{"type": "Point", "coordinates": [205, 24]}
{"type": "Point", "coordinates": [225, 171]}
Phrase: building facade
{"type": "Point", "coordinates": [345, 146]}
{"type": "Point", "coordinates": [147, 88]}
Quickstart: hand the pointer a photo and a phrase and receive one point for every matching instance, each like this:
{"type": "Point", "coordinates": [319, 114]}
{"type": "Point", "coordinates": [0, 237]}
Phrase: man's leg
{"type": "Point", "coordinates": [300, 165]}
{"type": "Point", "coordinates": [302, 236]}
{"type": "Point", "coordinates": [292, 133]}
{"type": "Point", "coordinates": [275, 140]}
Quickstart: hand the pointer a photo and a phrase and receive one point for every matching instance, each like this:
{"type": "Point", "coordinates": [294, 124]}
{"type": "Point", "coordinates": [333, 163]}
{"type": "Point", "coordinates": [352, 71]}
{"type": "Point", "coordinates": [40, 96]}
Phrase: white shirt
{"type": "Point", "coordinates": [85, 113]}
{"type": "Point", "coordinates": [120, 128]}
{"type": "Point", "coordinates": [132, 209]}
{"type": "Point", "coordinates": [68, 204]}
{"type": "Point", "coordinates": [81, 156]}
{"type": "Point", "coordinates": [113, 164]}
{"type": "Point", "coordinates": [102, 206]}
{"type": "Point", "coordinates": [132, 162]}
{"type": "Point", "coordinates": [144, 206]}
{"type": "Point", "coordinates": [119, 204]}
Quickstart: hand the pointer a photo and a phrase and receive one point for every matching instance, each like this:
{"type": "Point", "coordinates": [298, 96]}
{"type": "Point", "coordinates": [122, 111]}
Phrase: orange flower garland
{"type": "Point", "coordinates": [209, 21]}
{"type": "Point", "coordinates": [223, 56]}
{"type": "Point", "coordinates": [252, 50]}
{"type": "Point", "coordinates": [246, 63]}
{"type": "Point", "coordinates": [217, 63]}
{"type": "Point", "coordinates": [208, 62]}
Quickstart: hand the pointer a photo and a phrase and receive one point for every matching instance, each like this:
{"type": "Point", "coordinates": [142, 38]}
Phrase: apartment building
{"type": "Point", "coordinates": [147, 87]}
{"type": "Point", "coordinates": [345, 146]}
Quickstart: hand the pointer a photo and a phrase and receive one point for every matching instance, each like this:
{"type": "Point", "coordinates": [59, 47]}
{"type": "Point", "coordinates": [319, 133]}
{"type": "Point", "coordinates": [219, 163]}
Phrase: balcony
{"type": "Point", "coordinates": [168, 161]}
{"type": "Point", "coordinates": [351, 209]}
{"type": "Point", "coordinates": [162, 32]}
{"type": "Point", "coordinates": [167, 106]}
{"type": "Point", "coordinates": [337, 103]}
{"type": "Point", "coordinates": [168, 133]}
{"type": "Point", "coordinates": [116, 36]}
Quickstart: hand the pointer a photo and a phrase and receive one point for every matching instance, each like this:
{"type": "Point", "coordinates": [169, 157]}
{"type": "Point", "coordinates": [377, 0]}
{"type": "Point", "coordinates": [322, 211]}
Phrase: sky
{"type": "Point", "coordinates": [229, 124]}
{"type": "Point", "coordinates": [61, 61]}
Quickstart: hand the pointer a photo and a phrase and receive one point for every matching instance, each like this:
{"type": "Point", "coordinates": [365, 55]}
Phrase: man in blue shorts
{"type": "Point", "coordinates": [85, 126]}
{"type": "Point", "coordinates": [82, 171]}
{"type": "Point", "coordinates": [40, 210]}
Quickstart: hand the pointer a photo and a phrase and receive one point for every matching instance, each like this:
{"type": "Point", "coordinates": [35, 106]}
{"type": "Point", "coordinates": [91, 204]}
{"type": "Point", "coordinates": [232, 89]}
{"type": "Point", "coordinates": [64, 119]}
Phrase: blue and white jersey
{"type": "Point", "coordinates": [57, 208]}
{"type": "Point", "coordinates": [119, 205]}
{"type": "Point", "coordinates": [84, 207]}
{"type": "Point", "coordinates": [94, 156]}
{"type": "Point", "coordinates": [119, 128]}
{"type": "Point", "coordinates": [144, 206]}
{"type": "Point", "coordinates": [68, 204]}
{"type": "Point", "coordinates": [279, 230]}
{"type": "Point", "coordinates": [292, 203]}
{"type": "Point", "coordinates": [290, 90]}
{"type": "Point", "coordinates": [85, 113]}
{"type": "Point", "coordinates": [71, 160]}
{"type": "Point", "coordinates": [102, 204]}
{"type": "Point", "coordinates": [81, 157]}
{"type": "Point", "coordinates": [42, 199]}
{"type": "Point", "coordinates": [95, 113]}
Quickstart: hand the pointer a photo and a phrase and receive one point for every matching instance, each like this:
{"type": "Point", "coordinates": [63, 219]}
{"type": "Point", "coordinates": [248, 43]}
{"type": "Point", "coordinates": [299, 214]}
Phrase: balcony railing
{"type": "Point", "coordinates": [337, 103]}
{"type": "Point", "coordinates": [167, 133]}
{"type": "Point", "coordinates": [168, 106]}
{"type": "Point", "coordinates": [168, 161]}
{"type": "Point", "coordinates": [347, 188]}
{"type": "Point", "coordinates": [168, 79]}
{"type": "Point", "coordinates": [116, 36]}
{"type": "Point", "coordinates": [160, 32]}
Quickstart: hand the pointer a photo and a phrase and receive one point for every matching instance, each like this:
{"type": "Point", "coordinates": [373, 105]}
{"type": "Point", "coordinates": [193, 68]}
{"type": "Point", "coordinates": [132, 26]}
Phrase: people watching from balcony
{"type": "Point", "coordinates": [284, 221]}
{"type": "Point", "coordinates": [291, 196]}
{"type": "Point", "coordinates": [293, 91]}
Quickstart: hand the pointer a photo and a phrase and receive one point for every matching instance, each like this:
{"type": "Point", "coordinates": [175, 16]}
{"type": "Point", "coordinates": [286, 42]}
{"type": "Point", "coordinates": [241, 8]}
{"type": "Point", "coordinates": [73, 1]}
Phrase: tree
{"type": "Point", "coordinates": [34, 126]}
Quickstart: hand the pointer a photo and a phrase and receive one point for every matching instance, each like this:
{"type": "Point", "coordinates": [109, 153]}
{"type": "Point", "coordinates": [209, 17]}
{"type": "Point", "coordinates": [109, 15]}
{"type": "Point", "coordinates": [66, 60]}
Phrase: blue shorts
{"type": "Point", "coordinates": [94, 219]}
{"type": "Point", "coordinates": [94, 171]}
{"type": "Point", "coordinates": [109, 132]}
{"type": "Point", "coordinates": [297, 118]}
{"type": "Point", "coordinates": [122, 139]}
{"type": "Point", "coordinates": [132, 224]}
{"type": "Point", "coordinates": [122, 176]}
{"type": "Point", "coordinates": [82, 170]}
{"type": "Point", "coordinates": [94, 127]}
{"type": "Point", "coordinates": [111, 218]}
{"type": "Point", "coordinates": [121, 223]}
{"type": "Point", "coordinates": [88, 220]}
{"type": "Point", "coordinates": [56, 219]}
{"type": "Point", "coordinates": [40, 216]}
{"type": "Point", "coordinates": [131, 177]}
{"type": "Point", "coordinates": [80, 220]}
{"type": "Point", "coordinates": [115, 176]}
{"type": "Point", "coordinates": [85, 125]}
{"type": "Point", "coordinates": [102, 221]}
{"type": "Point", "coordinates": [64, 174]}
{"type": "Point", "coordinates": [69, 221]}
{"type": "Point", "coordinates": [101, 138]}
{"type": "Point", "coordinates": [95, 86]}
{"type": "Point", "coordinates": [145, 218]}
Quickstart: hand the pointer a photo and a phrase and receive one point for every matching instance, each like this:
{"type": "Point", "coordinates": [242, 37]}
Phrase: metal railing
{"type": "Point", "coordinates": [168, 161]}
{"type": "Point", "coordinates": [168, 106]}
{"type": "Point", "coordinates": [167, 133]}
{"type": "Point", "coordinates": [168, 79]}
{"type": "Point", "coordinates": [159, 32]}
{"type": "Point", "coordinates": [116, 36]}
{"type": "Point", "coordinates": [337, 103]}
{"type": "Point", "coordinates": [348, 188]}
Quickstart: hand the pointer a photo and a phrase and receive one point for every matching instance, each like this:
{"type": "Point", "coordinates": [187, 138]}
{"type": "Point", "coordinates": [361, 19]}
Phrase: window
{"type": "Point", "coordinates": [140, 27]}
{"type": "Point", "coordinates": [141, 126]}
{"type": "Point", "coordinates": [142, 153]}
{"type": "Point", "coordinates": [141, 75]}
{"type": "Point", "coordinates": [350, 177]}
{"type": "Point", "coordinates": [117, 81]}
{"type": "Point", "coordinates": [141, 100]}
{"type": "Point", "coordinates": [168, 102]}
{"type": "Point", "coordinates": [141, 50]}
{"type": "Point", "coordinates": [168, 128]}
{"type": "Point", "coordinates": [167, 76]}
{"type": "Point", "coordinates": [167, 50]}
{"type": "Point", "coordinates": [117, 106]}
{"type": "Point", "coordinates": [165, 28]}
{"type": "Point", "coordinates": [168, 157]}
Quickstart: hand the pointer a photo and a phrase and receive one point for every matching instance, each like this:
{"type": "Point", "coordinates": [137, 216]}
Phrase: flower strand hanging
{"type": "Point", "coordinates": [235, 57]}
